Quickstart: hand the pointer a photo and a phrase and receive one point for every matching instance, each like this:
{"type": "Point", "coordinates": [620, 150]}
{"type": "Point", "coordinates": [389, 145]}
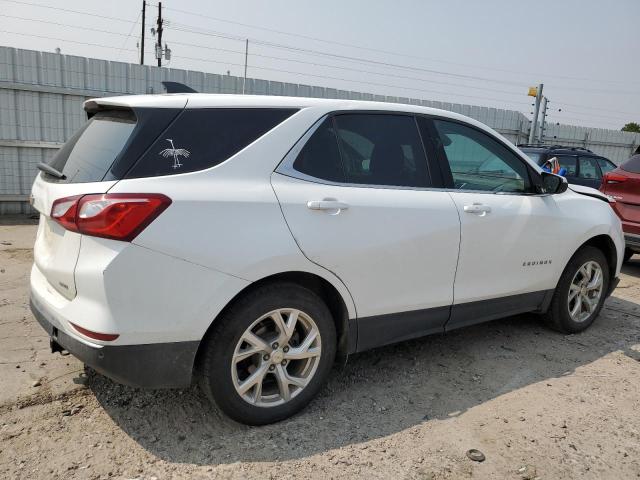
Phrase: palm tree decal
{"type": "Point", "coordinates": [175, 153]}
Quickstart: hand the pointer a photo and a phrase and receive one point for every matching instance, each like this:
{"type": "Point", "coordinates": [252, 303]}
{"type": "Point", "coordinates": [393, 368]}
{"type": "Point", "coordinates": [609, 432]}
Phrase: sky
{"type": "Point", "coordinates": [475, 52]}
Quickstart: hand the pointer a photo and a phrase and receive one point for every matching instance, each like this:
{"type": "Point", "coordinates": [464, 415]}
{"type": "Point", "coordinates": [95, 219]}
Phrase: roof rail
{"type": "Point", "coordinates": [554, 147]}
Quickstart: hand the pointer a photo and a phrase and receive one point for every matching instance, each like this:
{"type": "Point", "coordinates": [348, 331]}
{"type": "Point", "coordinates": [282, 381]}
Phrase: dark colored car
{"type": "Point", "coordinates": [623, 184]}
{"type": "Point", "coordinates": [583, 166]}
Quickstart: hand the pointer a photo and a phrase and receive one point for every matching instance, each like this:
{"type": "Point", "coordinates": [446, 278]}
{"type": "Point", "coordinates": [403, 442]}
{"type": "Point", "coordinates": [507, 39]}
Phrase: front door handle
{"type": "Point", "coordinates": [327, 204]}
{"type": "Point", "coordinates": [478, 209]}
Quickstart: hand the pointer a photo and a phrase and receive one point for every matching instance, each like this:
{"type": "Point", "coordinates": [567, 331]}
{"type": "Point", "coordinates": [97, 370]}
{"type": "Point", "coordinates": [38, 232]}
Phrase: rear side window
{"type": "Point", "coordinates": [202, 138]}
{"type": "Point", "coordinates": [589, 169]}
{"type": "Point", "coordinates": [605, 165]}
{"type": "Point", "coordinates": [382, 150]}
{"type": "Point", "coordinates": [89, 154]}
{"type": "Point", "coordinates": [632, 165]}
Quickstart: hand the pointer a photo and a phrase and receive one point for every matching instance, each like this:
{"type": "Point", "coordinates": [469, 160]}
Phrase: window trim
{"type": "Point", "coordinates": [436, 158]}
{"type": "Point", "coordinates": [534, 176]}
{"type": "Point", "coordinates": [285, 167]}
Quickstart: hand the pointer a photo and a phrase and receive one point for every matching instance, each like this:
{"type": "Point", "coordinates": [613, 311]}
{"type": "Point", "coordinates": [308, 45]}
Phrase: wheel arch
{"type": "Point", "coordinates": [607, 246]}
{"type": "Point", "coordinates": [346, 327]}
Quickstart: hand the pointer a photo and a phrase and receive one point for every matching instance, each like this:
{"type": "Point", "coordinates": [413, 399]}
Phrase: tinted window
{"type": "Point", "coordinates": [381, 150]}
{"type": "Point", "coordinates": [605, 165]}
{"type": "Point", "coordinates": [632, 165]}
{"type": "Point", "coordinates": [202, 138]}
{"type": "Point", "coordinates": [570, 163]}
{"type": "Point", "coordinates": [533, 155]}
{"type": "Point", "coordinates": [320, 157]}
{"type": "Point", "coordinates": [478, 162]}
{"type": "Point", "coordinates": [589, 169]}
{"type": "Point", "coordinates": [90, 152]}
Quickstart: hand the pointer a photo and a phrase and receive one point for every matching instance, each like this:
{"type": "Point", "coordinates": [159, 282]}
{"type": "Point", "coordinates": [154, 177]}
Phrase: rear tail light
{"type": "Point", "coordinates": [611, 177]}
{"type": "Point", "coordinates": [119, 216]}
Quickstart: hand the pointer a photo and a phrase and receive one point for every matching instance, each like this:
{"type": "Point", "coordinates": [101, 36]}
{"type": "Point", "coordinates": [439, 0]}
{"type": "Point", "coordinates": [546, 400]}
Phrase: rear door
{"type": "Point", "coordinates": [355, 192]}
{"type": "Point", "coordinates": [86, 164]}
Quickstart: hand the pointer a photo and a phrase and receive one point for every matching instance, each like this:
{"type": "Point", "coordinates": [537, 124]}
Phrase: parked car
{"type": "Point", "coordinates": [583, 167]}
{"type": "Point", "coordinates": [623, 184]}
{"type": "Point", "coordinates": [245, 241]}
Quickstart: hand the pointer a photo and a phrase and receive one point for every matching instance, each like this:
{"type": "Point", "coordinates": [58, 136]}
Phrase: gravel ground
{"type": "Point", "coordinates": [538, 404]}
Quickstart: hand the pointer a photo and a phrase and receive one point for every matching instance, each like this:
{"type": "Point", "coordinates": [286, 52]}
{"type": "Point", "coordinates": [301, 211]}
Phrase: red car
{"type": "Point", "coordinates": [623, 184]}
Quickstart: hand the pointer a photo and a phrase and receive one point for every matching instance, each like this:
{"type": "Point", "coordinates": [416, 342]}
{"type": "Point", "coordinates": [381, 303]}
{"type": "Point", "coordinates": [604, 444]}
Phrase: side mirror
{"type": "Point", "coordinates": [552, 183]}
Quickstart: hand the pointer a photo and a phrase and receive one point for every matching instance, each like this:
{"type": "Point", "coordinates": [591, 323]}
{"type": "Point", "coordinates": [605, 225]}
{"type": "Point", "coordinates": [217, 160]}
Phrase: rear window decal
{"type": "Point", "coordinates": [174, 152]}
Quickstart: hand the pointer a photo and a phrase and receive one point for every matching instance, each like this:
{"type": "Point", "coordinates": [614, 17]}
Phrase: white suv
{"type": "Point", "coordinates": [245, 241]}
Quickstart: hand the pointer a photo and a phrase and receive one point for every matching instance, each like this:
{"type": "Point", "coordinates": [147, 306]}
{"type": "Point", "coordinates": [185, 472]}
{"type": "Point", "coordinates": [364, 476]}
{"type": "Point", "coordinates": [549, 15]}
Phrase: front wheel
{"type": "Point", "coordinates": [580, 293]}
{"type": "Point", "coordinates": [269, 354]}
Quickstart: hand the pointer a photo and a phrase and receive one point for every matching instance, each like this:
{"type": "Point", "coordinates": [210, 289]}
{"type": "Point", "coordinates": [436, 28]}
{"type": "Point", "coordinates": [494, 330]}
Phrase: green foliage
{"type": "Point", "coordinates": [631, 127]}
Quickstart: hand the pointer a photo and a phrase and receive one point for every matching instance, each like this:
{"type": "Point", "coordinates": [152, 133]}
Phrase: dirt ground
{"type": "Point", "coordinates": [538, 404]}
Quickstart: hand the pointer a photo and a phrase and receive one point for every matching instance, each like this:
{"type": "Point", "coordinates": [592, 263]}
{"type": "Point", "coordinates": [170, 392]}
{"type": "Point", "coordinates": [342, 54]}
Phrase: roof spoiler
{"type": "Point", "coordinates": [176, 87]}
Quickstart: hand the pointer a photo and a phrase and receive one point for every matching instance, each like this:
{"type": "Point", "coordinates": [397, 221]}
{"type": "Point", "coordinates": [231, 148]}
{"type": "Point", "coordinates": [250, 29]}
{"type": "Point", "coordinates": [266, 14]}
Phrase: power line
{"type": "Point", "coordinates": [189, 29]}
{"type": "Point", "coordinates": [346, 79]}
{"type": "Point", "coordinates": [130, 32]}
{"type": "Point", "coordinates": [347, 58]}
{"type": "Point", "coordinates": [386, 52]}
{"type": "Point", "coordinates": [285, 59]}
{"type": "Point", "coordinates": [69, 11]}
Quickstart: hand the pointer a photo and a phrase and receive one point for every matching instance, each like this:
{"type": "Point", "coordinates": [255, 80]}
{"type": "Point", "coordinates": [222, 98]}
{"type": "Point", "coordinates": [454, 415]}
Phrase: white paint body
{"type": "Point", "coordinates": [393, 250]}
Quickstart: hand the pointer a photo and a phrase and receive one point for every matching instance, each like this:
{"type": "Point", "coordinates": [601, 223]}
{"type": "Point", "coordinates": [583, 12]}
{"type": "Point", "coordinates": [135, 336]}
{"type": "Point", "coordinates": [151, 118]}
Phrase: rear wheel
{"type": "Point", "coordinates": [269, 354]}
{"type": "Point", "coordinates": [580, 293]}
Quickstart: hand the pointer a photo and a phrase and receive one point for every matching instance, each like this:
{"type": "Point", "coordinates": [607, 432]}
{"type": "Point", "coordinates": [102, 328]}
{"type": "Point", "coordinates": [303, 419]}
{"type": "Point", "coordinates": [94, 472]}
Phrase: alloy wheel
{"type": "Point", "coordinates": [276, 357]}
{"type": "Point", "coordinates": [585, 291]}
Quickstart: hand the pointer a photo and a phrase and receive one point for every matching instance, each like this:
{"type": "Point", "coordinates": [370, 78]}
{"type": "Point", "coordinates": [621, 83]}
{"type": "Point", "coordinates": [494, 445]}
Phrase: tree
{"type": "Point", "coordinates": [631, 127]}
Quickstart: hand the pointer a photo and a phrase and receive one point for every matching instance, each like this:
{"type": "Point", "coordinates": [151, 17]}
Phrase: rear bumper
{"type": "Point", "coordinates": [155, 365]}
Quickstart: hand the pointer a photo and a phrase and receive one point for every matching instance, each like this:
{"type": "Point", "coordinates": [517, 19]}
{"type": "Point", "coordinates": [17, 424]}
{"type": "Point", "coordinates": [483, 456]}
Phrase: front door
{"type": "Point", "coordinates": [509, 234]}
{"type": "Point", "coordinates": [356, 197]}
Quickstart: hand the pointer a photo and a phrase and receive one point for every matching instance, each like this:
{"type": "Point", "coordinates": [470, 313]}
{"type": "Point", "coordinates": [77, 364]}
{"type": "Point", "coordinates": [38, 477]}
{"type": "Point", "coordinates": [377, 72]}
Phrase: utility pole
{"type": "Point", "coordinates": [246, 54]}
{"type": "Point", "coordinates": [534, 121]}
{"type": "Point", "coordinates": [144, 11]}
{"type": "Point", "coordinates": [159, 32]}
{"type": "Point", "coordinates": [543, 121]}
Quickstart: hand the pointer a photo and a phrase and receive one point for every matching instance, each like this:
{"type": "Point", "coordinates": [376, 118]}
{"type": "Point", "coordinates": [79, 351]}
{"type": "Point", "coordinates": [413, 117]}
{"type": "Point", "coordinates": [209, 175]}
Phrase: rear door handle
{"type": "Point", "coordinates": [327, 204]}
{"type": "Point", "coordinates": [477, 208]}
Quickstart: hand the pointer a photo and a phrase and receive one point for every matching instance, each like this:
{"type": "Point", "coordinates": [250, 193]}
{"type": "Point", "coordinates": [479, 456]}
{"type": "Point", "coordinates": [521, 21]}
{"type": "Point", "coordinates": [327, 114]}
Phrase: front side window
{"type": "Point", "coordinates": [570, 163]}
{"type": "Point", "coordinates": [479, 162]}
{"type": "Point", "coordinates": [589, 169]}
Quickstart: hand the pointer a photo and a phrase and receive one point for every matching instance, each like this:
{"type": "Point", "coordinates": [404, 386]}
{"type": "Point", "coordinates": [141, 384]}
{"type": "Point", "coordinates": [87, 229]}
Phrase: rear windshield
{"type": "Point", "coordinates": [202, 138]}
{"type": "Point", "coordinates": [89, 154]}
{"type": "Point", "coordinates": [632, 165]}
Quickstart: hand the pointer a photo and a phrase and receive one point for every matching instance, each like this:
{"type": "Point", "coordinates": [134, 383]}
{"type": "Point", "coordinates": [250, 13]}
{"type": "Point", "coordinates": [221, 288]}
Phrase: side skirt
{"type": "Point", "coordinates": [379, 330]}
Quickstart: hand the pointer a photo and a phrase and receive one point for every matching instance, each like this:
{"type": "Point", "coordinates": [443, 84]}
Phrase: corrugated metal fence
{"type": "Point", "coordinates": [41, 97]}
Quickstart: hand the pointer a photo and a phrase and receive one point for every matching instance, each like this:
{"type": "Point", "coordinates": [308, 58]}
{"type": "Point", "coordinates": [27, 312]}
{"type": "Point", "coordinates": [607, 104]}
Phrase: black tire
{"type": "Point", "coordinates": [558, 317]}
{"type": "Point", "coordinates": [628, 253]}
{"type": "Point", "coordinates": [216, 379]}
